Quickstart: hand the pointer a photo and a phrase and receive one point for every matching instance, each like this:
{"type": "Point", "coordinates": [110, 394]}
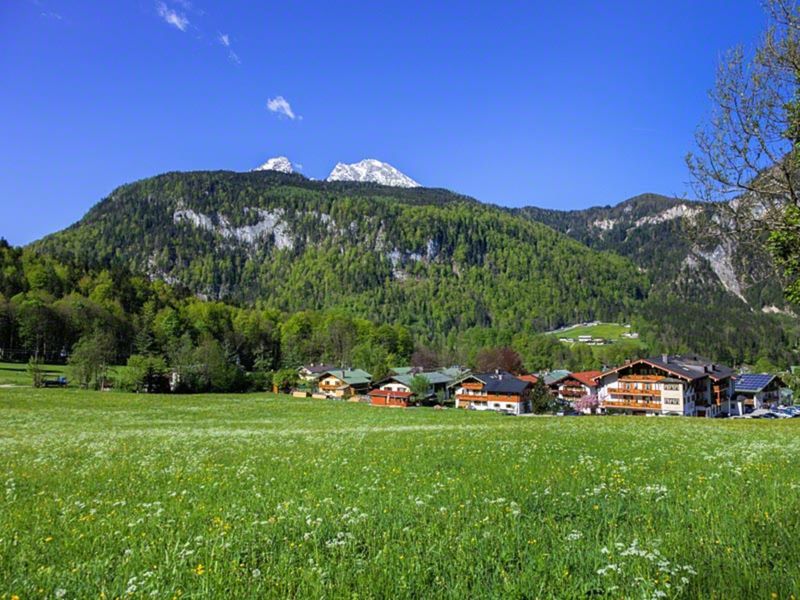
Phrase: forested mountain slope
{"type": "Point", "coordinates": [714, 289]}
{"type": "Point", "coordinates": [430, 259]}
{"type": "Point", "coordinates": [671, 239]}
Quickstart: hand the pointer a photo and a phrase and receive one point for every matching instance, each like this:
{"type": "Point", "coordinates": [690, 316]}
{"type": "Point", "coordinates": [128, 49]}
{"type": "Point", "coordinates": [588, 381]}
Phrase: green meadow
{"type": "Point", "coordinates": [110, 495]}
{"type": "Point", "coordinates": [13, 374]}
{"type": "Point", "coordinates": [607, 331]}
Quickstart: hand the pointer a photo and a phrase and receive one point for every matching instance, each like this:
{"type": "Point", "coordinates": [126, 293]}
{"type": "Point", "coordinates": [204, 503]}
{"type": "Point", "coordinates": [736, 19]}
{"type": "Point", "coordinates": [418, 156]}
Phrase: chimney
{"type": "Point", "coordinates": [665, 358]}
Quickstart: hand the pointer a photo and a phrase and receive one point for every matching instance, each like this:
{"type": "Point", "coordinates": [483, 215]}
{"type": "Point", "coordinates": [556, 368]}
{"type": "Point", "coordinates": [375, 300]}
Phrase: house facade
{"type": "Point", "coordinates": [667, 385]}
{"type": "Point", "coordinates": [312, 372]}
{"type": "Point", "coordinates": [381, 397]}
{"type": "Point", "coordinates": [553, 379]}
{"type": "Point", "coordinates": [344, 383]}
{"type": "Point", "coordinates": [577, 385]}
{"type": "Point", "coordinates": [437, 382]}
{"type": "Point", "coordinates": [499, 391]}
{"type": "Point", "coordinates": [756, 390]}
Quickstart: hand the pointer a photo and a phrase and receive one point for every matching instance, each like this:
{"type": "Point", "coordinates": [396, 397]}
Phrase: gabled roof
{"type": "Point", "coordinates": [587, 378]}
{"type": "Point", "coordinates": [433, 377]}
{"type": "Point", "coordinates": [529, 378]}
{"type": "Point", "coordinates": [402, 370]}
{"type": "Point", "coordinates": [454, 372]}
{"type": "Point", "coordinates": [753, 382]}
{"type": "Point", "coordinates": [501, 382]}
{"type": "Point", "coordinates": [552, 377]}
{"type": "Point", "coordinates": [687, 367]}
{"type": "Point", "coordinates": [350, 376]}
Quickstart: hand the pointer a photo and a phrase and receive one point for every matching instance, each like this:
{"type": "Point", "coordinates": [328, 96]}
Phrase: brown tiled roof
{"type": "Point", "coordinates": [587, 377]}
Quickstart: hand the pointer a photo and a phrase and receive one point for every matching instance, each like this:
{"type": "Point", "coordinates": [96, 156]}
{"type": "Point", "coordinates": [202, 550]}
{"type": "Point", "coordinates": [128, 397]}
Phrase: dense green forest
{"type": "Point", "coordinates": [447, 274]}
{"type": "Point", "coordinates": [428, 259]}
{"type": "Point", "coordinates": [710, 281]}
{"type": "Point", "coordinates": [53, 311]}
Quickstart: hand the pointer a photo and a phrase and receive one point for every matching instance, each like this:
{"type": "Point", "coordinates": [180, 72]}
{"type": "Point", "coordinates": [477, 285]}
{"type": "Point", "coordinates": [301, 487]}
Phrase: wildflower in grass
{"type": "Point", "coordinates": [199, 569]}
{"type": "Point", "coordinates": [60, 593]}
{"type": "Point", "coordinates": [256, 573]}
{"type": "Point", "coordinates": [574, 536]}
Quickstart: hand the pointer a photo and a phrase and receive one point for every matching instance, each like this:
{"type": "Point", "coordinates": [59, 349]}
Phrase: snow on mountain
{"type": "Point", "coordinates": [278, 163]}
{"type": "Point", "coordinates": [371, 170]}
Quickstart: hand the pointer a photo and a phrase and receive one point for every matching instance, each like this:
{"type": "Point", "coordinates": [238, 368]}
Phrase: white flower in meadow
{"type": "Point", "coordinates": [60, 593]}
{"type": "Point", "coordinates": [256, 573]}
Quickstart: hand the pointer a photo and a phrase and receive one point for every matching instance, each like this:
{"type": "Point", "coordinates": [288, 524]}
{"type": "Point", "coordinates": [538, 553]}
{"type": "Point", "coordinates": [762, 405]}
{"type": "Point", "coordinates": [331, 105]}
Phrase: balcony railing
{"type": "Point", "coordinates": [487, 398]}
{"type": "Point", "coordinates": [632, 405]}
{"type": "Point", "coordinates": [331, 386]}
{"type": "Point", "coordinates": [634, 392]}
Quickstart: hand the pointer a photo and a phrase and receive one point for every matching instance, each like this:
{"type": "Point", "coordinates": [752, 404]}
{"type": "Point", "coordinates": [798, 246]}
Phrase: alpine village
{"type": "Point", "coordinates": [400, 301]}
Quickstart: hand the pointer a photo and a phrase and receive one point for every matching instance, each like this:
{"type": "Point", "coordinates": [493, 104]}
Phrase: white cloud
{"type": "Point", "coordinates": [225, 40]}
{"type": "Point", "coordinates": [172, 17]}
{"type": "Point", "coordinates": [281, 106]}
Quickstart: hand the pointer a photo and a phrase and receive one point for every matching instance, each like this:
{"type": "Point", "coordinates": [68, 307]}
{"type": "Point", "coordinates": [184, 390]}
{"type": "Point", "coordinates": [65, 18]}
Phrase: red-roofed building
{"type": "Point", "coordinates": [578, 385]}
{"type": "Point", "coordinates": [529, 378]}
{"type": "Point", "coordinates": [390, 398]}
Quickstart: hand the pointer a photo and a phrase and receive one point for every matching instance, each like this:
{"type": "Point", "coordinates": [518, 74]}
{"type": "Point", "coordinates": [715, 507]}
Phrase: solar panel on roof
{"type": "Point", "coordinates": [752, 381]}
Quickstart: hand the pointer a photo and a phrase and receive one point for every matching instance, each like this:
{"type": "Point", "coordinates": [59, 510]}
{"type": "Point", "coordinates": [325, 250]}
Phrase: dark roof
{"type": "Point", "coordinates": [753, 382]}
{"type": "Point", "coordinates": [689, 367]}
{"type": "Point", "coordinates": [501, 383]}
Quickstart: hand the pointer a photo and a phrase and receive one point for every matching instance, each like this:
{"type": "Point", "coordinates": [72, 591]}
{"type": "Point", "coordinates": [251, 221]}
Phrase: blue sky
{"type": "Point", "coordinates": [561, 105]}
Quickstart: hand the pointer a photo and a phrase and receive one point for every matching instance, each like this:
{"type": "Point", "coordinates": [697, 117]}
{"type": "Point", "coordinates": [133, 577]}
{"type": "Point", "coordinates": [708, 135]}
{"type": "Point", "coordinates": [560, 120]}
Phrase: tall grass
{"type": "Point", "coordinates": [114, 495]}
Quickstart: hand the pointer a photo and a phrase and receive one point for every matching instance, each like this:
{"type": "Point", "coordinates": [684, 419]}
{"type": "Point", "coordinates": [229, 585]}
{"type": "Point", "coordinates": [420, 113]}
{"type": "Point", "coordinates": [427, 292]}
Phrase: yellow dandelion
{"type": "Point", "coordinates": [199, 569]}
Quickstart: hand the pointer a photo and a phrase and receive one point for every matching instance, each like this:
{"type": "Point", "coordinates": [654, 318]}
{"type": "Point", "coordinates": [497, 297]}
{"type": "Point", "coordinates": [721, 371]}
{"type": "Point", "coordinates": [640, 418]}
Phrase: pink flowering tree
{"type": "Point", "coordinates": [588, 404]}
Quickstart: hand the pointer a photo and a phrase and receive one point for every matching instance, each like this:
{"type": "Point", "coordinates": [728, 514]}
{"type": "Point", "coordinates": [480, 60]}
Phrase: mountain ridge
{"type": "Point", "coordinates": [445, 259]}
{"type": "Point", "coordinates": [371, 170]}
{"type": "Point", "coordinates": [440, 263]}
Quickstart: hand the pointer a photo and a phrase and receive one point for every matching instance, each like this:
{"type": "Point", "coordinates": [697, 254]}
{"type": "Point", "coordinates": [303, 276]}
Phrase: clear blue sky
{"type": "Point", "coordinates": [556, 104]}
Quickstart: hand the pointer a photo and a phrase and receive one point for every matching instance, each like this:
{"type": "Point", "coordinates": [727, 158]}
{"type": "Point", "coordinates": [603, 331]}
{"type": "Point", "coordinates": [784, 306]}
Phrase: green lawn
{"type": "Point", "coordinates": [17, 374]}
{"type": "Point", "coordinates": [607, 331]}
{"type": "Point", "coordinates": [114, 495]}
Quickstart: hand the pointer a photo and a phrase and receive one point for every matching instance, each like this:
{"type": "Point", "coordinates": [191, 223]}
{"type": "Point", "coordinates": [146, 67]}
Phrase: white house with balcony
{"type": "Point", "coordinates": [667, 385]}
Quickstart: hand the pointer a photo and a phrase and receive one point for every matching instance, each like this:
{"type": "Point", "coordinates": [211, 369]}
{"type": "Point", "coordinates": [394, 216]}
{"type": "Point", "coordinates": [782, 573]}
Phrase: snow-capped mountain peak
{"type": "Point", "coordinates": [371, 170]}
{"type": "Point", "coordinates": [278, 163]}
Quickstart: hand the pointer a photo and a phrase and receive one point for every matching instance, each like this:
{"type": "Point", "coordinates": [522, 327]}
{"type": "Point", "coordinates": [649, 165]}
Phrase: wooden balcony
{"type": "Point", "coordinates": [330, 387]}
{"type": "Point", "coordinates": [623, 391]}
{"type": "Point", "coordinates": [641, 378]}
{"type": "Point", "coordinates": [472, 386]}
{"type": "Point", "coordinates": [487, 398]}
{"type": "Point", "coordinates": [631, 405]}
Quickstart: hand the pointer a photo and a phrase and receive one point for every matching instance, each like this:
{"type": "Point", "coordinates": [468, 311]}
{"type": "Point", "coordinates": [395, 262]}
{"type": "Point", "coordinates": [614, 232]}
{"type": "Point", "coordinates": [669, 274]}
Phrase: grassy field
{"type": "Point", "coordinates": [607, 331]}
{"type": "Point", "coordinates": [17, 373]}
{"type": "Point", "coordinates": [110, 495]}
